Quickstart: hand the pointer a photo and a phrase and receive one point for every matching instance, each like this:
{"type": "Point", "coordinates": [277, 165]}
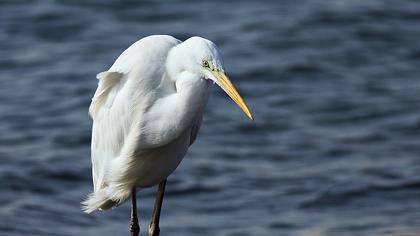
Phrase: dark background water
{"type": "Point", "coordinates": [334, 86]}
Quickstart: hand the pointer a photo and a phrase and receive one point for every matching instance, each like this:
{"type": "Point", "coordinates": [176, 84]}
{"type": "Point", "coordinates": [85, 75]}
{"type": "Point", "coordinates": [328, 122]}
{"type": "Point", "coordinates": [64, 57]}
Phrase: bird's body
{"type": "Point", "coordinates": [146, 112]}
{"type": "Point", "coordinates": [141, 130]}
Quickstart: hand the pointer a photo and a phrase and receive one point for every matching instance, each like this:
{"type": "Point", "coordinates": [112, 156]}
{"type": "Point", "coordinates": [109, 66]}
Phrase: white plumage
{"type": "Point", "coordinates": [146, 112]}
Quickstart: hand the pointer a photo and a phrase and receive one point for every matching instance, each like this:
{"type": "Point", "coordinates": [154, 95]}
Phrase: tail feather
{"type": "Point", "coordinates": [105, 199]}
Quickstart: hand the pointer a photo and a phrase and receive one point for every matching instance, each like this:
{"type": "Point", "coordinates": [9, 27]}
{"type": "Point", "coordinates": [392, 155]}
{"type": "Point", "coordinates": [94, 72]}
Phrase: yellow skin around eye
{"type": "Point", "coordinates": [206, 64]}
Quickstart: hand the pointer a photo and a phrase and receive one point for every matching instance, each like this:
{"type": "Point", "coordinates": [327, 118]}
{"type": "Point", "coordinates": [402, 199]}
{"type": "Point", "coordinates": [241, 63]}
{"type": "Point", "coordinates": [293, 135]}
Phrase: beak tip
{"type": "Point", "coordinates": [250, 116]}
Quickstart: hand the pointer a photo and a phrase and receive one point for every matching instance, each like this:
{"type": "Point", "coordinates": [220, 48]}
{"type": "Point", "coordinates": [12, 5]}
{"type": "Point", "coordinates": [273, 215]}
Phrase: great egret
{"type": "Point", "coordinates": [146, 112]}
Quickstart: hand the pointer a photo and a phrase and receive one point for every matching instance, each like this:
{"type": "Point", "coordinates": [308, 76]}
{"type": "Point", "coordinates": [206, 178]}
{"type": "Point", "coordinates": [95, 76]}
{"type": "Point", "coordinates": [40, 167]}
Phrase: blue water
{"type": "Point", "coordinates": [334, 87]}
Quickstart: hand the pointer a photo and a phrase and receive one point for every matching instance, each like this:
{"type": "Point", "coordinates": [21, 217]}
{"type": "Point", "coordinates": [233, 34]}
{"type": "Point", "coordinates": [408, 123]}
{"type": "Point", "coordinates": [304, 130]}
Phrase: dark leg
{"type": "Point", "coordinates": [154, 224]}
{"type": "Point", "coordinates": [134, 224]}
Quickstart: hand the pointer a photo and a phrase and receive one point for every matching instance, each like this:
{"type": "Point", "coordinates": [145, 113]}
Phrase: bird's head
{"type": "Point", "coordinates": [202, 57]}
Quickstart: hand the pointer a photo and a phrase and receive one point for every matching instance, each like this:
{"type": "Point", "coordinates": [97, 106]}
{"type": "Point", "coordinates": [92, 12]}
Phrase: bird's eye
{"type": "Point", "coordinates": [206, 64]}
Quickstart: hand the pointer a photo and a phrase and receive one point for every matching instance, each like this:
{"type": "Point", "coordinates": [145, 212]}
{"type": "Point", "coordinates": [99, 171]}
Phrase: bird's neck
{"type": "Point", "coordinates": [175, 113]}
{"type": "Point", "coordinates": [192, 94]}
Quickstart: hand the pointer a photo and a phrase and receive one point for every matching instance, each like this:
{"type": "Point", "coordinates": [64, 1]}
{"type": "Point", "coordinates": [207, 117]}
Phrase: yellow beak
{"type": "Point", "coordinates": [223, 81]}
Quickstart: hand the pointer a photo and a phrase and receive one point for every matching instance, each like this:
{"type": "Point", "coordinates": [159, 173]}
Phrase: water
{"type": "Point", "coordinates": [334, 86]}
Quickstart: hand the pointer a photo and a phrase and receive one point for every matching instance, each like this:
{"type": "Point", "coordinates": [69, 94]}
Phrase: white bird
{"type": "Point", "coordinates": [146, 112]}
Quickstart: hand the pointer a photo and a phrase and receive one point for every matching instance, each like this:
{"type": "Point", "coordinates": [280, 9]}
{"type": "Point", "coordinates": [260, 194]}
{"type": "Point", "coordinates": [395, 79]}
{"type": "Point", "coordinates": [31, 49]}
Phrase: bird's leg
{"type": "Point", "coordinates": [154, 224]}
{"type": "Point", "coordinates": [134, 223]}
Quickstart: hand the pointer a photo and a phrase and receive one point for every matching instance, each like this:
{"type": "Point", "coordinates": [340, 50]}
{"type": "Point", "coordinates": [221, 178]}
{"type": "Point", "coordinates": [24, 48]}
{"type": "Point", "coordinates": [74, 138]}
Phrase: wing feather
{"type": "Point", "coordinates": [107, 81]}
